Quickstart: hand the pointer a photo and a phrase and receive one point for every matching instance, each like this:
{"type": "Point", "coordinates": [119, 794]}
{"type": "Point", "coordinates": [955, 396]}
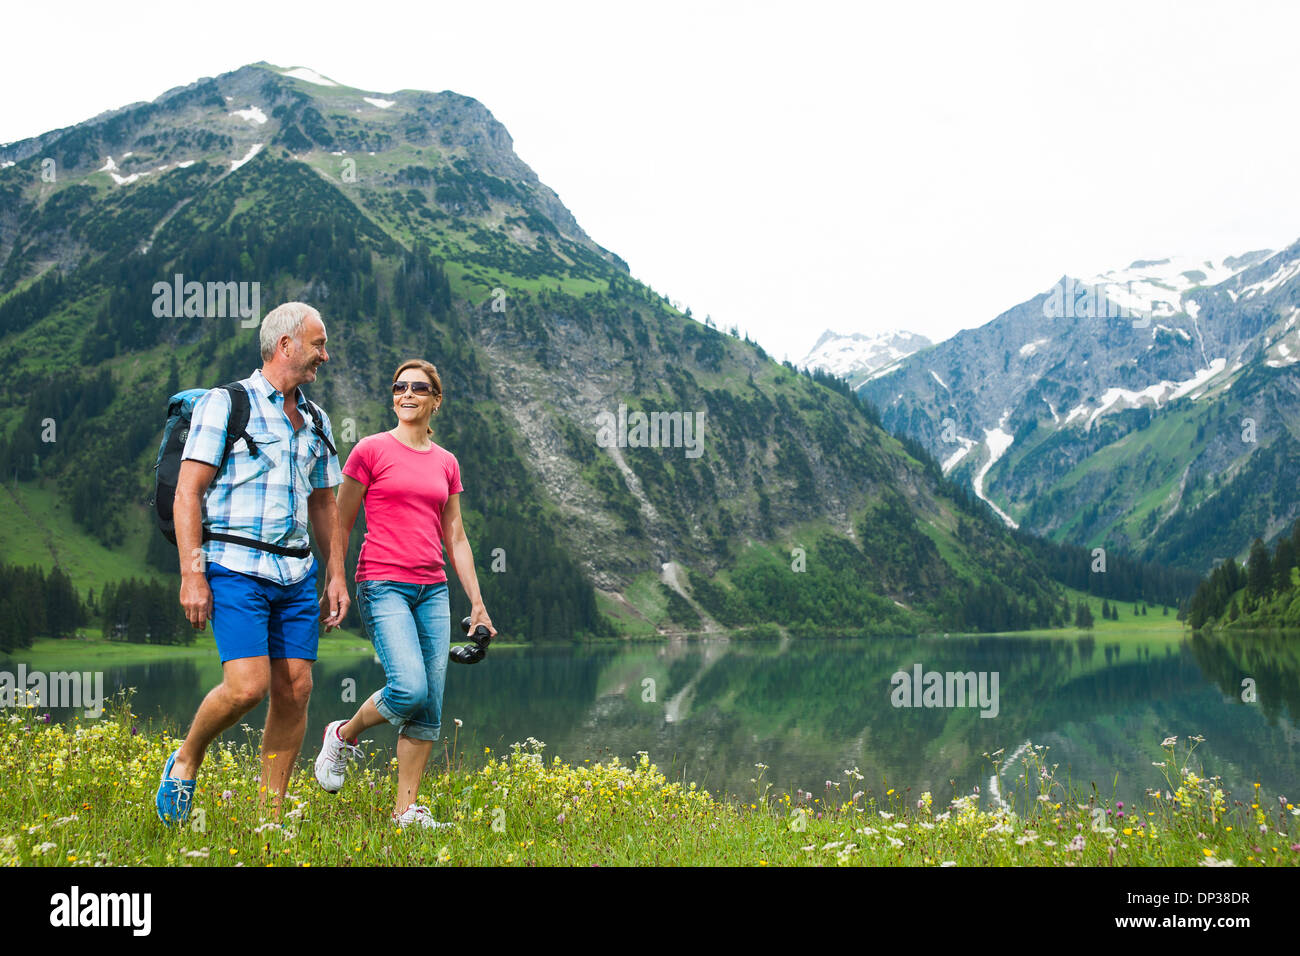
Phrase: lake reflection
{"type": "Point", "coordinates": [810, 710]}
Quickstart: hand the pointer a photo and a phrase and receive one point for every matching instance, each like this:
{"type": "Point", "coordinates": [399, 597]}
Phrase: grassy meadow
{"type": "Point", "coordinates": [82, 794]}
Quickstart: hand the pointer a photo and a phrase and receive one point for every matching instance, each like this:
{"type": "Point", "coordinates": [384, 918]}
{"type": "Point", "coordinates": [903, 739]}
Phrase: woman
{"type": "Point", "coordinates": [411, 488]}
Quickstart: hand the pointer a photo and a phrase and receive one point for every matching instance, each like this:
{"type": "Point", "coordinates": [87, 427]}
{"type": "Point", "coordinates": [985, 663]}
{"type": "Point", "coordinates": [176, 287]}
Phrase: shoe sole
{"type": "Point", "coordinates": [424, 826]}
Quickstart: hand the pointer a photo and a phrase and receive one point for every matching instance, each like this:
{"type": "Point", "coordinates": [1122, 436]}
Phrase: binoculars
{"type": "Point", "coordinates": [472, 653]}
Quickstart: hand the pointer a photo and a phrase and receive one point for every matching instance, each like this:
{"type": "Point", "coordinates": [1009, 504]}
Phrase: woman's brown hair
{"type": "Point", "coordinates": [429, 369]}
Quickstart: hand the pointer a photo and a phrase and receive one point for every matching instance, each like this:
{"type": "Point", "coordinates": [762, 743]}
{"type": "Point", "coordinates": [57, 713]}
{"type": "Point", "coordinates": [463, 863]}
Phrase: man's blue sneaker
{"type": "Point", "coordinates": [174, 796]}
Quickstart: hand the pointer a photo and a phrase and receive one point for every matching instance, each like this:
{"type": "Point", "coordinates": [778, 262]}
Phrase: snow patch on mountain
{"type": "Point", "coordinates": [1158, 287]}
{"type": "Point", "coordinates": [1284, 273]}
{"type": "Point", "coordinates": [253, 114]}
{"type": "Point", "coordinates": [1285, 353]}
{"type": "Point", "coordinates": [998, 440]}
{"type": "Point", "coordinates": [111, 167]}
{"type": "Point", "coordinates": [1029, 348]}
{"type": "Point", "coordinates": [951, 461]}
{"type": "Point", "coordinates": [882, 372]}
{"type": "Point", "coordinates": [1161, 393]}
{"type": "Point", "coordinates": [311, 76]}
{"type": "Point", "coordinates": [376, 101]}
{"type": "Point", "coordinates": [1079, 411]}
{"type": "Point", "coordinates": [938, 379]}
{"type": "Point", "coordinates": [1200, 378]}
{"type": "Point", "coordinates": [253, 151]}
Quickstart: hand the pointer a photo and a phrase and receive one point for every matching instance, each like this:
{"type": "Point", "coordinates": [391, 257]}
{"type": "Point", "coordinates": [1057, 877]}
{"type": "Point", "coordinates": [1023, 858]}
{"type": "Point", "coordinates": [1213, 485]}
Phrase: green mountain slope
{"type": "Point", "coordinates": [437, 241]}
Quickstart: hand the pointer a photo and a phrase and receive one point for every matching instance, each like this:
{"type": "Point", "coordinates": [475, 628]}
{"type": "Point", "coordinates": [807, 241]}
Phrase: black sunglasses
{"type": "Point", "coordinates": [419, 388]}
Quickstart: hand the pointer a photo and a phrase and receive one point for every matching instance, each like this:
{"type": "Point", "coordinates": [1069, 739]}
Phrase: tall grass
{"type": "Point", "coordinates": [82, 794]}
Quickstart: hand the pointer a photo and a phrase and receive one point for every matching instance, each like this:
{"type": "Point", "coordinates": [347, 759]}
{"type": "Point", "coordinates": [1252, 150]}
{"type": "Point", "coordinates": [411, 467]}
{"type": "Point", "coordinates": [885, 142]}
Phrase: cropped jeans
{"type": "Point", "coordinates": [410, 627]}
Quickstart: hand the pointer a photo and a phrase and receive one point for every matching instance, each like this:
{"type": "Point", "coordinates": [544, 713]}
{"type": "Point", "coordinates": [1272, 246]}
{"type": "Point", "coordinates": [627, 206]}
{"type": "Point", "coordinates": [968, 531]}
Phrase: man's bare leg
{"type": "Point", "coordinates": [286, 722]}
{"type": "Point", "coordinates": [243, 687]}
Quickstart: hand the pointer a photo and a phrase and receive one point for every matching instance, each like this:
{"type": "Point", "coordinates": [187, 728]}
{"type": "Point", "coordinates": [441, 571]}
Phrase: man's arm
{"type": "Point", "coordinates": [187, 514]}
{"type": "Point", "coordinates": [323, 512]}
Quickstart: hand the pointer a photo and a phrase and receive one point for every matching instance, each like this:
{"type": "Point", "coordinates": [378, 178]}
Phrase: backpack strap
{"type": "Point", "coordinates": [237, 423]}
{"type": "Point", "coordinates": [318, 425]}
{"type": "Point", "coordinates": [259, 545]}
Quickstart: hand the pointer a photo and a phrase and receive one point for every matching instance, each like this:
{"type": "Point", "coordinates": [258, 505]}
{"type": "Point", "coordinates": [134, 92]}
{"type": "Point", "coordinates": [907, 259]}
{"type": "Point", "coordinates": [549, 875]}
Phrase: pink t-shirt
{"type": "Point", "coordinates": [405, 494]}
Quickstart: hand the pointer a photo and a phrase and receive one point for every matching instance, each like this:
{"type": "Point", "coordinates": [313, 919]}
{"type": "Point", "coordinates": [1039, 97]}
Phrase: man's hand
{"type": "Point", "coordinates": [196, 599]}
{"type": "Point", "coordinates": [334, 603]}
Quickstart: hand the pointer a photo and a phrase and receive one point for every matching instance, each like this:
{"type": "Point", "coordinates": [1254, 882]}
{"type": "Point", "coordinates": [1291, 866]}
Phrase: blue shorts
{"type": "Point", "coordinates": [254, 617]}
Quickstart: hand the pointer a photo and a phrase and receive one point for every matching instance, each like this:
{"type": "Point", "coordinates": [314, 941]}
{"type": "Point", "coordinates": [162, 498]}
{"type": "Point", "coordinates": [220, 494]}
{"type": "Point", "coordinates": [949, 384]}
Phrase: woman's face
{"type": "Point", "coordinates": [411, 406]}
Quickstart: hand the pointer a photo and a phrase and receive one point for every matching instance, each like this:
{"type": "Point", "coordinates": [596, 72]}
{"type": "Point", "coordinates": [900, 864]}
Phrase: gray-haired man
{"type": "Point", "coordinates": [260, 596]}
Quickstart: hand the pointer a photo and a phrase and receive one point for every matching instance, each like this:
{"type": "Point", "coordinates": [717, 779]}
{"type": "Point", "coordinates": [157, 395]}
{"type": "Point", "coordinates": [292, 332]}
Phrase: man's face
{"type": "Point", "coordinates": [308, 351]}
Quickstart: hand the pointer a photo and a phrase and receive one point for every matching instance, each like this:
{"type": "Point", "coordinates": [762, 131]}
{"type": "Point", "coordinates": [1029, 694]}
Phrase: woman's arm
{"type": "Point", "coordinates": [351, 494]}
{"type": "Point", "coordinates": [348, 503]}
{"type": "Point", "coordinates": [462, 561]}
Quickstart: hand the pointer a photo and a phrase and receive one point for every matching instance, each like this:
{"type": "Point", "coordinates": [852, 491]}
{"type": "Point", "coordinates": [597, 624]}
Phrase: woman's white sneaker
{"type": "Point", "coordinates": [416, 815]}
{"type": "Point", "coordinates": [332, 764]}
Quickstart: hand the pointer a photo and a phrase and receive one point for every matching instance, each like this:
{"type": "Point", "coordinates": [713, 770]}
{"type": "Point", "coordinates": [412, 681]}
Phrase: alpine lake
{"type": "Point", "coordinates": [909, 714]}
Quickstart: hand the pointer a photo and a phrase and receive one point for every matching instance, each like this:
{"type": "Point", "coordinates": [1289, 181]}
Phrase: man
{"type": "Point", "coordinates": [262, 603]}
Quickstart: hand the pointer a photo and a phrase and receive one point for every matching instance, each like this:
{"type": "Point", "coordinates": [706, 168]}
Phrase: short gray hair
{"type": "Point", "coordinates": [284, 319]}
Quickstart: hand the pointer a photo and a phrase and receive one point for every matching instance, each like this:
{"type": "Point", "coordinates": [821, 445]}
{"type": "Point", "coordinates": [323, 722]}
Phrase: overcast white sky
{"type": "Point", "coordinates": [791, 169]}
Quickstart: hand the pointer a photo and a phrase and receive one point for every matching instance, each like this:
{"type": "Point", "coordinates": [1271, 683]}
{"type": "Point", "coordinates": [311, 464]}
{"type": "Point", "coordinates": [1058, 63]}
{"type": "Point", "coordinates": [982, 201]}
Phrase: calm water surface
{"type": "Point", "coordinates": [708, 711]}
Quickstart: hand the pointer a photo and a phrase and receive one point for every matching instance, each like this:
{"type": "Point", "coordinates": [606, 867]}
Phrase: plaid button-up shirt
{"type": "Point", "coordinates": [262, 497]}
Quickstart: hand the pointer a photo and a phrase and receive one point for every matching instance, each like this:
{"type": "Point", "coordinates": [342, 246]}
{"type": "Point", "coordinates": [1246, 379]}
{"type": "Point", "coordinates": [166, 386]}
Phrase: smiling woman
{"type": "Point", "coordinates": [411, 489]}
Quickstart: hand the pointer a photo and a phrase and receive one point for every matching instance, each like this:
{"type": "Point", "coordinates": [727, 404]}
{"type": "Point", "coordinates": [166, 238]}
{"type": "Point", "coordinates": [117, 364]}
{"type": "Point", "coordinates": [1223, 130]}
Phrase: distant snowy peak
{"type": "Point", "coordinates": [1157, 287]}
{"type": "Point", "coordinates": [856, 355]}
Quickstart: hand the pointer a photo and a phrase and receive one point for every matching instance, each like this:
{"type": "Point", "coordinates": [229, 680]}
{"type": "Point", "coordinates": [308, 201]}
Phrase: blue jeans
{"type": "Point", "coordinates": [410, 627]}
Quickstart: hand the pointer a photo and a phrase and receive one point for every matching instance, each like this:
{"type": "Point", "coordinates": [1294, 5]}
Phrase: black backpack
{"type": "Point", "coordinates": [167, 468]}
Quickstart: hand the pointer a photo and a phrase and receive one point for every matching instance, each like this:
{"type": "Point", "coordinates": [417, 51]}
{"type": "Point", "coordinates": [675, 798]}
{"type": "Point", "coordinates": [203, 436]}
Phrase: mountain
{"type": "Point", "coordinates": [627, 470]}
{"type": "Point", "coordinates": [855, 357]}
{"type": "Point", "coordinates": [1153, 409]}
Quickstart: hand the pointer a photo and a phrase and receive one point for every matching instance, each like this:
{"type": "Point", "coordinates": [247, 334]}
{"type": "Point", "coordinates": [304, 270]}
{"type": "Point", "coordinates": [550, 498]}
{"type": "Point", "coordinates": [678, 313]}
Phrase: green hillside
{"type": "Point", "coordinates": [1264, 594]}
{"type": "Point", "coordinates": [438, 242]}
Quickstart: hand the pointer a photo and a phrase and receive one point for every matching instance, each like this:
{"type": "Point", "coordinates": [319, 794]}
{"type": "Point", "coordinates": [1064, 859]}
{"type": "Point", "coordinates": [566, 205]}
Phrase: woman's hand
{"type": "Point", "coordinates": [479, 615]}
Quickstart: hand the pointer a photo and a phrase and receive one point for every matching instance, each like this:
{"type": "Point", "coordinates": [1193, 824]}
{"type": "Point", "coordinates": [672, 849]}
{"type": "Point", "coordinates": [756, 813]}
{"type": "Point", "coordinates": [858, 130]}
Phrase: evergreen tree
{"type": "Point", "coordinates": [1259, 572]}
{"type": "Point", "coordinates": [1083, 615]}
{"type": "Point", "coordinates": [1283, 561]}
